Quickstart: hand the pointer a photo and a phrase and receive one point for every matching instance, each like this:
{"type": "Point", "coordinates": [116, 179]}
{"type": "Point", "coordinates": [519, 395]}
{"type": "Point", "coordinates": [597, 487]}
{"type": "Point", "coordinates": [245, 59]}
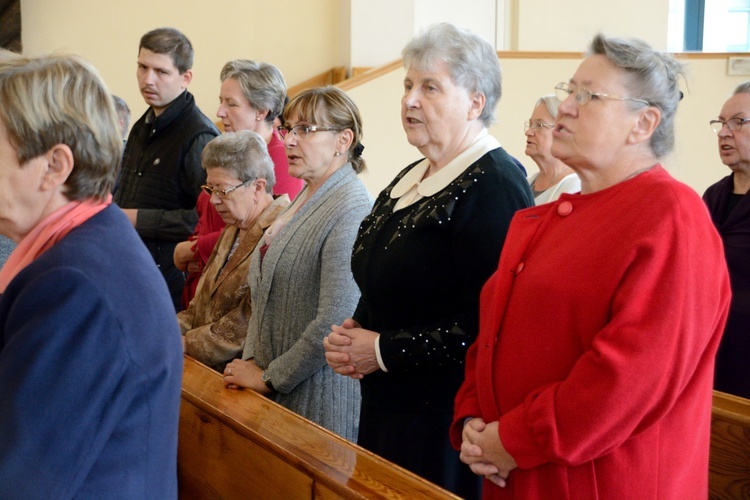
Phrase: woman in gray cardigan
{"type": "Point", "coordinates": [300, 274]}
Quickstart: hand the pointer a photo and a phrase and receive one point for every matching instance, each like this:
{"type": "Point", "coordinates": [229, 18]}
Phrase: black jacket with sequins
{"type": "Point", "coordinates": [420, 271]}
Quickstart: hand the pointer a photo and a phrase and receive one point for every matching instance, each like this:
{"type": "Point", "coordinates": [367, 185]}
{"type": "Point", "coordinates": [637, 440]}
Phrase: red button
{"type": "Point", "coordinates": [519, 268]}
{"type": "Point", "coordinates": [565, 208]}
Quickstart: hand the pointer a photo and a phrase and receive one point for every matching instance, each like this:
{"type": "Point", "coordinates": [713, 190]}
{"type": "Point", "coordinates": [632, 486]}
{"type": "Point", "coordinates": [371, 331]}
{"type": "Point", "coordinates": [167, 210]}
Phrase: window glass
{"type": "Point", "coordinates": [709, 25]}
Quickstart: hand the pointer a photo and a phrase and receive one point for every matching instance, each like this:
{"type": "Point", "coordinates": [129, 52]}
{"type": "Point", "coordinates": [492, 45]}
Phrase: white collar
{"type": "Point", "coordinates": [482, 144]}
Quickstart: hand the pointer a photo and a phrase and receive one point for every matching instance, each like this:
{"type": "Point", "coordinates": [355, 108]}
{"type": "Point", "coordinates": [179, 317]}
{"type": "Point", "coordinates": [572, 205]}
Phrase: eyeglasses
{"type": "Point", "coordinates": [303, 131]}
{"type": "Point", "coordinates": [222, 193]}
{"type": "Point", "coordinates": [584, 95]}
{"type": "Point", "coordinates": [536, 126]}
{"type": "Point", "coordinates": [733, 124]}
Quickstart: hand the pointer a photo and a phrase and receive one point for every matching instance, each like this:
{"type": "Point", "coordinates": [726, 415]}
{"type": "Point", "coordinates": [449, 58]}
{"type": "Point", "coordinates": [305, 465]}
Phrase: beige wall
{"type": "Point", "coordinates": [545, 25]}
{"type": "Point", "coordinates": [301, 37]}
{"type": "Point", "coordinates": [695, 160]}
{"type": "Point", "coordinates": [305, 38]}
{"type": "Point", "coordinates": [379, 29]}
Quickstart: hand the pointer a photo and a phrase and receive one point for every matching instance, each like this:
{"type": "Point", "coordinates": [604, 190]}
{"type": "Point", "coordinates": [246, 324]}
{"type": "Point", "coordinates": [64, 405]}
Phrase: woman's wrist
{"type": "Point", "coordinates": [265, 378]}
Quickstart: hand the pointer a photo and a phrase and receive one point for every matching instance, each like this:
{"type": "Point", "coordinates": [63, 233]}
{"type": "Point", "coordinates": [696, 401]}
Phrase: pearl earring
{"type": "Point", "coordinates": [338, 153]}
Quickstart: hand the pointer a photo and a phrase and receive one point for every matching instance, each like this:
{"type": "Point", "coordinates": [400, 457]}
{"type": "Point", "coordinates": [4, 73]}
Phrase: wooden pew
{"type": "Point", "coordinates": [238, 444]}
{"type": "Point", "coordinates": [729, 464]}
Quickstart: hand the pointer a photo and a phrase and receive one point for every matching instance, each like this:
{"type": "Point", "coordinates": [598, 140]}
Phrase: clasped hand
{"type": "Point", "coordinates": [483, 452]}
{"type": "Point", "coordinates": [350, 349]}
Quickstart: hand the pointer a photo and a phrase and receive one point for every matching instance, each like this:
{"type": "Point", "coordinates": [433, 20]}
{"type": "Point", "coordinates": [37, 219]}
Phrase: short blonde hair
{"type": "Point", "coordinates": [331, 107]}
{"type": "Point", "coordinates": [53, 100]}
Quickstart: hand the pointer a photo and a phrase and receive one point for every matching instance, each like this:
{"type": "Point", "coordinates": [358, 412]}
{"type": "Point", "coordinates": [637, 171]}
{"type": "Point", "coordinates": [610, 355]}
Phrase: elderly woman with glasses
{"type": "Point", "coordinates": [300, 278]}
{"type": "Point", "coordinates": [240, 180]}
{"type": "Point", "coordinates": [422, 255]}
{"type": "Point", "coordinates": [605, 393]}
{"type": "Point", "coordinates": [252, 95]}
{"type": "Point", "coordinates": [729, 205]}
{"type": "Point", "coordinates": [554, 177]}
{"type": "Point", "coordinates": [90, 357]}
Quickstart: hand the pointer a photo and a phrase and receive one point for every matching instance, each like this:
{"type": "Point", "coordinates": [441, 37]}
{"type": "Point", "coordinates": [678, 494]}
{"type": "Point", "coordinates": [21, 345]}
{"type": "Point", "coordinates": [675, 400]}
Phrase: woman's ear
{"type": "Point", "coordinates": [344, 141]}
{"type": "Point", "coordinates": [476, 105]}
{"type": "Point", "coordinates": [60, 163]}
{"type": "Point", "coordinates": [645, 125]}
{"type": "Point", "coordinates": [260, 185]}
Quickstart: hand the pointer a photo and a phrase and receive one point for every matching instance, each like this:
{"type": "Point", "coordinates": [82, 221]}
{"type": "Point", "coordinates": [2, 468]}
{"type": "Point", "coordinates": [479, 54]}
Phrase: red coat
{"type": "Point", "coordinates": [285, 183]}
{"type": "Point", "coordinates": [206, 235]}
{"type": "Point", "coordinates": [596, 346]}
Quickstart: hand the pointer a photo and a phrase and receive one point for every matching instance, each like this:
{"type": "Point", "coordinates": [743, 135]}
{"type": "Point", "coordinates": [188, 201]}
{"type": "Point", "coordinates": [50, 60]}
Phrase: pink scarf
{"type": "Point", "coordinates": [49, 231]}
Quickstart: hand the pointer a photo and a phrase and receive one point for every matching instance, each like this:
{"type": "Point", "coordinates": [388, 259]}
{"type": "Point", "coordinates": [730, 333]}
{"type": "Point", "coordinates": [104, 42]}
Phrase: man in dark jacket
{"type": "Point", "coordinates": [161, 172]}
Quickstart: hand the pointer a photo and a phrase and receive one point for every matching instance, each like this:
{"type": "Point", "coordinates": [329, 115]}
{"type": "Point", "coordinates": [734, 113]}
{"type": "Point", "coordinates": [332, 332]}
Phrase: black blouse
{"type": "Point", "coordinates": [420, 271]}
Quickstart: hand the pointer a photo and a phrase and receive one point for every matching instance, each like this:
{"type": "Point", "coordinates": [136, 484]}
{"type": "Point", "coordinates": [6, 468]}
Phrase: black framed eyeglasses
{"type": "Point", "coordinates": [733, 124]}
{"type": "Point", "coordinates": [536, 126]}
{"type": "Point", "coordinates": [223, 193]}
{"type": "Point", "coordinates": [584, 95]}
{"type": "Point", "coordinates": [303, 131]}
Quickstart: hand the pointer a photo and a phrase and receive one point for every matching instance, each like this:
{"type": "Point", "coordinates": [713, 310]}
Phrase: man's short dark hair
{"type": "Point", "coordinates": [171, 42]}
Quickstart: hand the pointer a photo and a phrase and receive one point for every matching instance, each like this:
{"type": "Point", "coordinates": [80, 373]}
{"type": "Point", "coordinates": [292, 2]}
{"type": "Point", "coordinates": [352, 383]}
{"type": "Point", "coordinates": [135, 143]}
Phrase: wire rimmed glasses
{"type": "Point", "coordinates": [733, 124]}
{"type": "Point", "coordinates": [303, 131]}
{"type": "Point", "coordinates": [584, 95]}
{"type": "Point", "coordinates": [223, 193]}
{"type": "Point", "coordinates": [536, 126]}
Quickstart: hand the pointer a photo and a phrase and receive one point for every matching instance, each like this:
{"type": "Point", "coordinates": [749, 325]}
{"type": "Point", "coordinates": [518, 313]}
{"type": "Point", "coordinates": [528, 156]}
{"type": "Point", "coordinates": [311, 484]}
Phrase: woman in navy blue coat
{"type": "Point", "coordinates": [90, 354]}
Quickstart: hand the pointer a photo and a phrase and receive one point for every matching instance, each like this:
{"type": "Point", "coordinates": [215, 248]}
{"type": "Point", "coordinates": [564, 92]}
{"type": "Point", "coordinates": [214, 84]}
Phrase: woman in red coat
{"type": "Point", "coordinates": [252, 96]}
{"type": "Point", "coordinates": [592, 373]}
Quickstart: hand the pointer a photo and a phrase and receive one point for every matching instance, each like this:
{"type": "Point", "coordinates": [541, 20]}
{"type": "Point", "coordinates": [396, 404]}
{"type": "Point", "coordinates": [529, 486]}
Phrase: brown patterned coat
{"type": "Point", "coordinates": [215, 323]}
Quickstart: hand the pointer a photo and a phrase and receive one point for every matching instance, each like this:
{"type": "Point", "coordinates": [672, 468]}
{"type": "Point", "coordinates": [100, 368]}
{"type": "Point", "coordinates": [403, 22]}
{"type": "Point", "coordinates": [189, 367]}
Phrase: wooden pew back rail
{"type": "Point", "coordinates": [238, 444]}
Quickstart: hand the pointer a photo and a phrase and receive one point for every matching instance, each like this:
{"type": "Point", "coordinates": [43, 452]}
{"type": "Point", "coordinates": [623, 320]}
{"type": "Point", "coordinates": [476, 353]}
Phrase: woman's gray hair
{"type": "Point", "coordinates": [742, 88]}
{"type": "Point", "coordinates": [472, 62]}
{"type": "Point", "coordinates": [652, 76]}
{"type": "Point", "coordinates": [61, 99]}
{"type": "Point", "coordinates": [262, 84]}
{"type": "Point", "coordinates": [551, 102]}
{"type": "Point", "coordinates": [243, 153]}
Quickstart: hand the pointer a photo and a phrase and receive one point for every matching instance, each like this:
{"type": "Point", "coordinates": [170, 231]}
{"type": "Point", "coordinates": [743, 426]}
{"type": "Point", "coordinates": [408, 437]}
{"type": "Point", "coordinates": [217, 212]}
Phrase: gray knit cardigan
{"type": "Point", "coordinates": [302, 287]}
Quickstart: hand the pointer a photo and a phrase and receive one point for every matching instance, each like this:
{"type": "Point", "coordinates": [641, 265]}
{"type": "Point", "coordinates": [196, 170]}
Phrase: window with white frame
{"type": "Point", "coordinates": [709, 25]}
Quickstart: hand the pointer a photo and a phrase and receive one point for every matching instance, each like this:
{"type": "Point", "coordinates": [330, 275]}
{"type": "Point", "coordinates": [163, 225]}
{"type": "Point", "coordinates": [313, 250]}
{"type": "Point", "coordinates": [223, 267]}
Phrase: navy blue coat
{"type": "Point", "coordinates": [90, 370]}
{"type": "Point", "coordinates": [732, 367]}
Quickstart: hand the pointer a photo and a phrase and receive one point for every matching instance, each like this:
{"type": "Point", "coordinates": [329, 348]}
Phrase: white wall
{"type": "Point", "coordinates": [694, 161]}
{"type": "Point", "coordinates": [478, 16]}
{"type": "Point", "coordinates": [546, 25]}
{"type": "Point", "coordinates": [380, 29]}
{"type": "Point", "coordinates": [305, 38]}
{"type": "Point", "coordinates": [386, 149]}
